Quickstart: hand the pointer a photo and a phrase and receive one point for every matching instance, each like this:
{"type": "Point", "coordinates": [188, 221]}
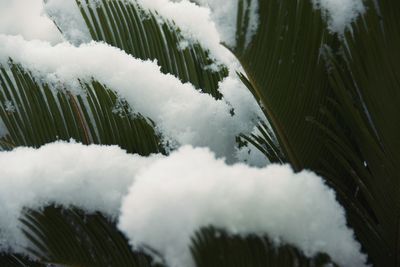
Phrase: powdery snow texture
{"type": "Point", "coordinates": [67, 16]}
{"type": "Point", "coordinates": [91, 177]}
{"type": "Point", "coordinates": [161, 97]}
{"type": "Point", "coordinates": [172, 197]}
{"type": "Point", "coordinates": [26, 18]}
{"type": "Point", "coordinates": [225, 13]}
{"type": "Point", "coordinates": [191, 189]}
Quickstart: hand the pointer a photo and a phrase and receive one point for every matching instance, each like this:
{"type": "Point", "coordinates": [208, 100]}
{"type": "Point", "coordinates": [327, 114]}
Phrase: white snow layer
{"type": "Point", "coordinates": [67, 16]}
{"type": "Point", "coordinates": [26, 18]}
{"type": "Point", "coordinates": [209, 21]}
{"type": "Point", "coordinates": [31, 19]}
{"type": "Point", "coordinates": [182, 113]}
{"type": "Point", "coordinates": [340, 13]}
{"type": "Point", "coordinates": [191, 189]}
{"type": "Point", "coordinates": [92, 177]}
{"type": "Point", "coordinates": [225, 13]}
{"type": "Point", "coordinates": [172, 197]}
{"type": "Point", "coordinates": [185, 191]}
{"type": "Point", "coordinates": [194, 21]}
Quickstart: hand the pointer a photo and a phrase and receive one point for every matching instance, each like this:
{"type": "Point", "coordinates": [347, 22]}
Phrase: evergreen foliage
{"type": "Point", "coordinates": [332, 103]}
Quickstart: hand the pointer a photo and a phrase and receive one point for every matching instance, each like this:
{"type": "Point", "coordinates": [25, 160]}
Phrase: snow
{"type": "Point", "coordinates": [194, 21]}
{"type": "Point", "coordinates": [252, 156]}
{"type": "Point", "coordinates": [191, 189]}
{"type": "Point", "coordinates": [196, 24]}
{"type": "Point", "coordinates": [163, 98]}
{"type": "Point", "coordinates": [212, 22]}
{"type": "Point", "coordinates": [68, 18]}
{"type": "Point", "coordinates": [26, 18]}
{"type": "Point", "coordinates": [237, 96]}
{"type": "Point", "coordinates": [86, 63]}
{"type": "Point", "coordinates": [340, 13]}
{"type": "Point", "coordinates": [225, 13]}
{"type": "Point", "coordinates": [92, 177]}
{"type": "Point", "coordinates": [9, 107]}
{"type": "Point", "coordinates": [161, 201]}
{"type": "Point", "coordinates": [31, 19]}
{"type": "Point", "coordinates": [253, 21]}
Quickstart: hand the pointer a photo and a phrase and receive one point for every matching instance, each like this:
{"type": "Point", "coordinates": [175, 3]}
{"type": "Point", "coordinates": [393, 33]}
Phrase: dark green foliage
{"type": "Point", "coordinates": [215, 248]}
{"type": "Point", "coordinates": [15, 260]}
{"type": "Point", "coordinates": [266, 143]}
{"type": "Point", "coordinates": [71, 237]}
{"type": "Point", "coordinates": [365, 77]}
{"type": "Point", "coordinates": [284, 67]}
{"type": "Point", "coordinates": [145, 35]}
{"type": "Point", "coordinates": [35, 114]}
{"type": "Point", "coordinates": [333, 102]}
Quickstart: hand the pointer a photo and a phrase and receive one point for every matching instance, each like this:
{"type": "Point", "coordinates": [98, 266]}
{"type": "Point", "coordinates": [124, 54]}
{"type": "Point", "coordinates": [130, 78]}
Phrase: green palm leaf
{"type": "Point", "coordinates": [16, 260]}
{"type": "Point", "coordinates": [266, 143]}
{"type": "Point", "coordinates": [366, 81]}
{"type": "Point", "coordinates": [341, 102]}
{"type": "Point", "coordinates": [215, 248]}
{"type": "Point", "coordinates": [285, 69]}
{"type": "Point", "coordinates": [144, 34]}
{"type": "Point", "coordinates": [332, 104]}
{"type": "Point", "coordinates": [72, 238]}
{"type": "Point", "coordinates": [35, 114]}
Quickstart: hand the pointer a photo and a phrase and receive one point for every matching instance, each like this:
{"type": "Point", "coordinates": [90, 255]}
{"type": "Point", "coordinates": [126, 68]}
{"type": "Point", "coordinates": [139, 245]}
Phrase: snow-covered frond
{"type": "Point", "coordinates": [35, 113]}
{"type": "Point", "coordinates": [182, 114]}
{"type": "Point", "coordinates": [141, 33]}
{"type": "Point", "coordinates": [170, 198]}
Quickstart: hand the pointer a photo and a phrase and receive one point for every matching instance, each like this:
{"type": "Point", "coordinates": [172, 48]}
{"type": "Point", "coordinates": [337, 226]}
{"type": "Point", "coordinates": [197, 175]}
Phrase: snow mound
{"type": "Point", "coordinates": [172, 197]}
{"type": "Point", "coordinates": [225, 15]}
{"type": "Point", "coordinates": [91, 177]}
{"type": "Point", "coordinates": [183, 114]}
{"type": "Point", "coordinates": [191, 189]}
{"type": "Point", "coordinates": [26, 18]}
{"type": "Point", "coordinates": [68, 18]}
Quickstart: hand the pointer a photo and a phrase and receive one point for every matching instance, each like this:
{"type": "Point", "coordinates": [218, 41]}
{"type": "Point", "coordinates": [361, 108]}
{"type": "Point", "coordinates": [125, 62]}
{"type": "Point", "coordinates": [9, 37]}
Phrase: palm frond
{"type": "Point", "coordinates": [284, 67]}
{"type": "Point", "coordinates": [36, 114]}
{"type": "Point", "coordinates": [216, 248]}
{"type": "Point", "coordinates": [365, 76]}
{"type": "Point", "coordinates": [333, 105]}
{"type": "Point", "coordinates": [146, 35]}
{"type": "Point", "coordinates": [72, 238]}
{"type": "Point", "coordinates": [265, 142]}
{"type": "Point", "coordinates": [16, 260]}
